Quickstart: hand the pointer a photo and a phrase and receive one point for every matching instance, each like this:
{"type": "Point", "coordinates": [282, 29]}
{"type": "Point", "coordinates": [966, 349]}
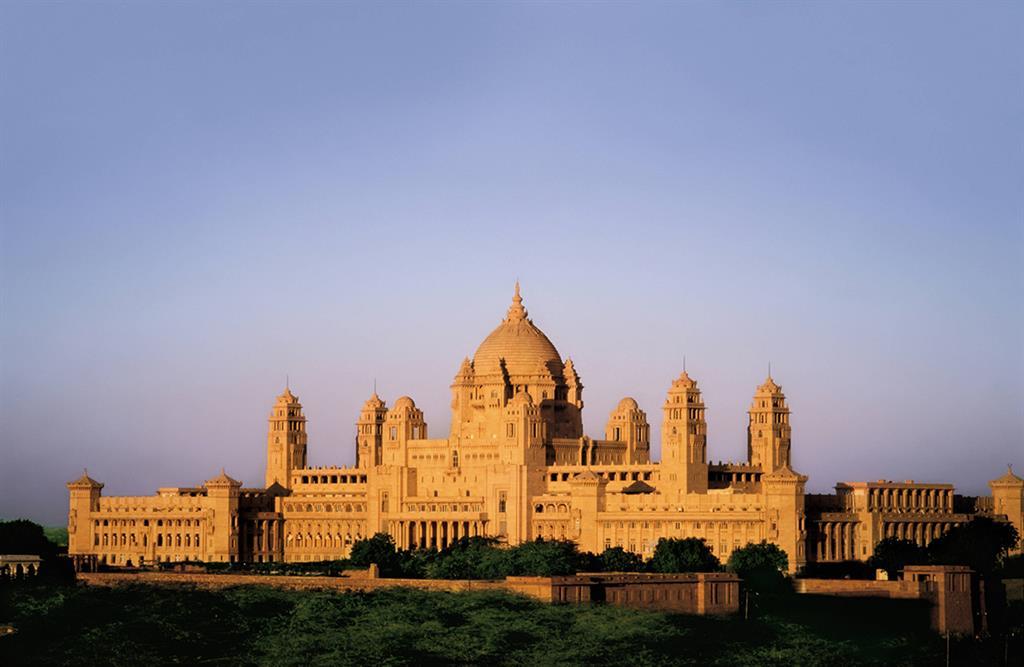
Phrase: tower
{"type": "Point", "coordinates": [286, 439]}
{"type": "Point", "coordinates": [1008, 500]}
{"type": "Point", "coordinates": [628, 424]}
{"type": "Point", "coordinates": [783, 492]}
{"type": "Point", "coordinates": [222, 529]}
{"type": "Point", "coordinates": [768, 432]}
{"type": "Point", "coordinates": [684, 435]}
{"type": "Point", "coordinates": [370, 433]}
{"type": "Point", "coordinates": [84, 495]}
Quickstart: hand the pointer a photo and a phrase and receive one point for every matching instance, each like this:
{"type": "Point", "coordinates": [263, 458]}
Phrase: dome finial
{"type": "Point", "coordinates": [516, 311]}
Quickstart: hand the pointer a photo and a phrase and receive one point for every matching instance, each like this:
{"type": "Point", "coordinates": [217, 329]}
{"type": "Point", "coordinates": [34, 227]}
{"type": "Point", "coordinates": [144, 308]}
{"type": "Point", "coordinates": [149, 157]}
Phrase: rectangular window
{"type": "Point", "coordinates": [502, 502]}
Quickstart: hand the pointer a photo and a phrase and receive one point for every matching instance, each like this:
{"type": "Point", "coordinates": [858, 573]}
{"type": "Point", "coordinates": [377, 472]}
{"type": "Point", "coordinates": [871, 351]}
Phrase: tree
{"type": "Point", "coordinates": [379, 549]}
{"type": "Point", "coordinates": [617, 559]}
{"type": "Point", "coordinates": [545, 558]}
{"type": "Point", "coordinates": [981, 544]}
{"type": "Point", "coordinates": [762, 566]}
{"type": "Point", "coordinates": [470, 558]}
{"type": "Point", "coordinates": [25, 537]}
{"type": "Point", "coordinates": [893, 554]}
{"type": "Point", "coordinates": [684, 555]}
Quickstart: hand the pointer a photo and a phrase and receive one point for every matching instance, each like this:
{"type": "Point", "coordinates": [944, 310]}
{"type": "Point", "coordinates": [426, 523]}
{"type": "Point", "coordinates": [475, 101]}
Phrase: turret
{"type": "Point", "coordinates": [628, 424]}
{"type": "Point", "coordinates": [769, 432]}
{"type": "Point", "coordinates": [370, 433]}
{"type": "Point", "coordinates": [684, 436]}
{"type": "Point", "coordinates": [524, 431]}
{"type": "Point", "coordinates": [404, 422]}
{"type": "Point", "coordinates": [286, 439]}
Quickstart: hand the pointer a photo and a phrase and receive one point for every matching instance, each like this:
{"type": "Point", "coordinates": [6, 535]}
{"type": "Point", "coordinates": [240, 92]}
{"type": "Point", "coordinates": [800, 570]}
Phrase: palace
{"type": "Point", "coordinates": [516, 465]}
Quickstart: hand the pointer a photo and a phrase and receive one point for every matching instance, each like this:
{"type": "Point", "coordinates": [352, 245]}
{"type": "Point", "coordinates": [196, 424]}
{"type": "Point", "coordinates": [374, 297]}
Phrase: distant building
{"type": "Point", "coordinates": [517, 466]}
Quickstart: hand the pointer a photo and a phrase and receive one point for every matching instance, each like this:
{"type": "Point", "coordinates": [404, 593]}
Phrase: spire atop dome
{"type": "Point", "coordinates": [516, 312]}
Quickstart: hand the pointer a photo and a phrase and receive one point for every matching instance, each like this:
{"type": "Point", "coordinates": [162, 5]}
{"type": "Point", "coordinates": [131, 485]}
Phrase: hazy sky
{"type": "Point", "coordinates": [200, 198]}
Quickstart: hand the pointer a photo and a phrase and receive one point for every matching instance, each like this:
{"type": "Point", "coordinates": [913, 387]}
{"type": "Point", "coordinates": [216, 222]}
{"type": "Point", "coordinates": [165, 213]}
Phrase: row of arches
{"type": "Point", "coordinates": [551, 508]}
{"type": "Point", "coordinates": [135, 539]}
{"type": "Point", "coordinates": [919, 532]}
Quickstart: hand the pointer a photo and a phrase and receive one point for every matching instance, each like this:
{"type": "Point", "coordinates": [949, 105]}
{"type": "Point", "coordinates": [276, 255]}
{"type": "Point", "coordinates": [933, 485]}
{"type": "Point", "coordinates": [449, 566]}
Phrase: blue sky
{"type": "Point", "coordinates": [200, 198]}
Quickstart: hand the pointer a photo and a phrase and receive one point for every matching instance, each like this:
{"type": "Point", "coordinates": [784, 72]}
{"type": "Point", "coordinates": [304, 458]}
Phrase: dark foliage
{"type": "Point", "coordinates": [25, 537]}
{"type": "Point", "coordinates": [1012, 567]}
{"type": "Point", "coordinates": [254, 625]}
{"type": "Point", "coordinates": [762, 567]}
{"type": "Point", "coordinates": [893, 554]}
{"type": "Point", "coordinates": [617, 559]}
{"type": "Point", "coordinates": [981, 544]}
{"type": "Point", "coordinates": [847, 569]}
{"type": "Point", "coordinates": [683, 555]}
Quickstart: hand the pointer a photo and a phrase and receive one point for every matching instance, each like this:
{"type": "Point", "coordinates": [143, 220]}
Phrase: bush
{"type": "Point", "coordinates": [691, 554]}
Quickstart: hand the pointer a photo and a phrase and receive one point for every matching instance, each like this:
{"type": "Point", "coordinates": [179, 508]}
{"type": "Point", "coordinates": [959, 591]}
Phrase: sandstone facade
{"type": "Point", "coordinates": [516, 465]}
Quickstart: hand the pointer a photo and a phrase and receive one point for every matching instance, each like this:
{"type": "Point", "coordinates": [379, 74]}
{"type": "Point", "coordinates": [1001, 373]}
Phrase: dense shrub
{"type": "Point", "coordinates": [690, 554]}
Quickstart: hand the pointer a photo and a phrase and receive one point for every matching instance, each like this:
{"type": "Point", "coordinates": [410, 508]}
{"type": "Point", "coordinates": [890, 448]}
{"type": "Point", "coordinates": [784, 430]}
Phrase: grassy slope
{"type": "Point", "coordinates": [263, 626]}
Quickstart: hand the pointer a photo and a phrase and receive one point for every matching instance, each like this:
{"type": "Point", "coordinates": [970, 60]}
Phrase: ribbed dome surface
{"type": "Point", "coordinates": [524, 347]}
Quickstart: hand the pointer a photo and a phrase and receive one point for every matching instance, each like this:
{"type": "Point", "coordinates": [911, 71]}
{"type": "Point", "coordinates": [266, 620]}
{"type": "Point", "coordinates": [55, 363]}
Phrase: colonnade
{"type": "Point", "coordinates": [919, 532]}
{"type": "Point", "coordinates": [262, 539]}
{"type": "Point", "coordinates": [836, 541]}
{"type": "Point", "coordinates": [434, 534]}
{"type": "Point", "coordinates": [933, 500]}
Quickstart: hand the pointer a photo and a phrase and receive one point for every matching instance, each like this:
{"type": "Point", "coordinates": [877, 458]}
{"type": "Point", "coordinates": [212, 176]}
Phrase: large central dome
{"type": "Point", "coordinates": [524, 348]}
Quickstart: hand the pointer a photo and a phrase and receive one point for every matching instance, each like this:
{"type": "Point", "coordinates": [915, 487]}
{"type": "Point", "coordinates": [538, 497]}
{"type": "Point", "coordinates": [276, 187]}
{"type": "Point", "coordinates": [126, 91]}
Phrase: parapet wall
{"type": "Point", "coordinates": [859, 588]}
{"type": "Point", "coordinates": [351, 582]}
{"type": "Point", "coordinates": [713, 593]}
